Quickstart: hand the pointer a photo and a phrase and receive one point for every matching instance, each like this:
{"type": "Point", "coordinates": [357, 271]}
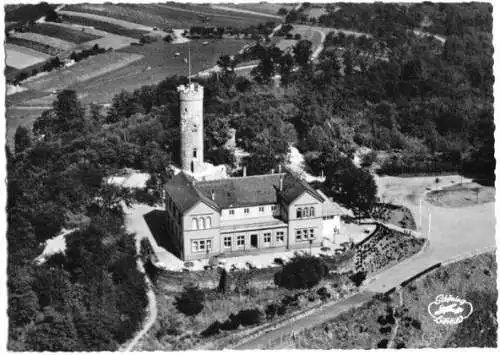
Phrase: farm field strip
{"type": "Point", "coordinates": [70, 34]}
{"type": "Point", "coordinates": [261, 8]}
{"type": "Point", "coordinates": [21, 57]}
{"type": "Point", "coordinates": [43, 39]}
{"type": "Point", "coordinates": [102, 38]}
{"type": "Point", "coordinates": [36, 46]}
{"type": "Point", "coordinates": [245, 11]}
{"type": "Point", "coordinates": [84, 70]}
{"type": "Point", "coordinates": [122, 12]}
{"type": "Point", "coordinates": [118, 22]}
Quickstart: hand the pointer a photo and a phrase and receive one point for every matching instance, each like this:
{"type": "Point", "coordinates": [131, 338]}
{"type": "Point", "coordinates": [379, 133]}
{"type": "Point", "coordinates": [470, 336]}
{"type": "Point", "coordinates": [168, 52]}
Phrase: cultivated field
{"type": "Point", "coordinates": [21, 57]}
{"type": "Point", "coordinates": [84, 70]}
{"type": "Point", "coordinates": [171, 15]}
{"type": "Point", "coordinates": [109, 28]}
{"type": "Point", "coordinates": [264, 8]}
{"type": "Point", "coordinates": [68, 34]}
{"type": "Point", "coordinates": [101, 38]}
{"type": "Point", "coordinates": [45, 40]}
{"type": "Point", "coordinates": [158, 62]}
{"type": "Point", "coordinates": [118, 22]}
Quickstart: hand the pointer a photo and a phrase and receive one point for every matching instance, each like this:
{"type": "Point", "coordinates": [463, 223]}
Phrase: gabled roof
{"type": "Point", "coordinates": [294, 186]}
{"type": "Point", "coordinates": [238, 191]}
{"type": "Point", "coordinates": [182, 191]}
{"type": "Point", "coordinates": [242, 191]}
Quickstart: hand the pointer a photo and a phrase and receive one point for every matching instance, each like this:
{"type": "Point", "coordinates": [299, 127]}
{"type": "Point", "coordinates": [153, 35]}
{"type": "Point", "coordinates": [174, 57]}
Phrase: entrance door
{"type": "Point", "coordinates": [253, 240]}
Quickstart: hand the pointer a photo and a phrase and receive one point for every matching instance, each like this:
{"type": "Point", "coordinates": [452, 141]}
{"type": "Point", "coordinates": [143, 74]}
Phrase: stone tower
{"type": "Point", "coordinates": [191, 107]}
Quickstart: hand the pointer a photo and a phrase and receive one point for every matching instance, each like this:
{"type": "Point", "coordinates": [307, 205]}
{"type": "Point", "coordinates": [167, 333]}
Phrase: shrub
{"type": "Point", "coordinates": [279, 261]}
{"type": "Point", "coordinates": [382, 344]}
{"type": "Point", "coordinates": [416, 324]}
{"type": "Point", "coordinates": [323, 293]}
{"type": "Point", "coordinates": [301, 272]}
{"type": "Point", "coordinates": [191, 301]}
{"type": "Point", "coordinates": [358, 278]}
{"type": "Point", "coordinates": [250, 316]}
{"type": "Point", "coordinates": [212, 329]}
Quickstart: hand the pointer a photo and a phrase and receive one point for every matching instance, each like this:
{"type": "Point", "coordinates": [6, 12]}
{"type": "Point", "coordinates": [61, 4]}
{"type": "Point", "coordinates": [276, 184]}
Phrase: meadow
{"type": "Point", "coordinates": [109, 27]}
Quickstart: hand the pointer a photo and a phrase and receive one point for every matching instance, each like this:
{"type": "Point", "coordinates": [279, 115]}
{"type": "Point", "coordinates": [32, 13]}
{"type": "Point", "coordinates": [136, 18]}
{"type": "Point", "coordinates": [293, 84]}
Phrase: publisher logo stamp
{"type": "Point", "coordinates": [448, 309]}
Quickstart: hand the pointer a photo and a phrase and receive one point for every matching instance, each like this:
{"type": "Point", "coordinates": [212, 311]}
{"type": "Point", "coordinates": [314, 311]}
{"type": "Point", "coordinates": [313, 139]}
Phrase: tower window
{"type": "Point", "coordinates": [195, 151]}
{"type": "Point", "coordinates": [185, 109]}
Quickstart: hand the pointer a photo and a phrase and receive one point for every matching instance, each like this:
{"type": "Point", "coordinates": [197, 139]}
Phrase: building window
{"type": "Point", "coordinates": [273, 208]}
{"type": "Point", "coordinates": [195, 246]}
{"type": "Point", "coordinates": [227, 242]}
{"type": "Point", "coordinates": [246, 210]}
{"type": "Point", "coordinates": [304, 234]}
{"type": "Point", "coordinates": [298, 234]}
{"type": "Point", "coordinates": [231, 212]}
{"type": "Point", "coordinates": [202, 223]}
{"type": "Point", "coordinates": [209, 222]}
{"type": "Point", "coordinates": [240, 241]}
{"type": "Point", "coordinates": [311, 233]}
{"type": "Point", "coordinates": [194, 152]}
{"type": "Point", "coordinates": [194, 223]}
{"type": "Point", "coordinates": [311, 212]}
{"type": "Point", "coordinates": [261, 209]}
{"type": "Point", "coordinates": [267, 238]}
{"type": "Point", "coordinates": [299, 212]}
{"type": "Point", "coordinates": [280, 237]}
{"type": "Point", "coordinates": [201, 245]}
{"type": "Point", "coordinates": [305, 212]}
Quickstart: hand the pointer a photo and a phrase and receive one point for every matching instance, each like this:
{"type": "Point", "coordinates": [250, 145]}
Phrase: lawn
{"type": "Point", "coordinates": [21, 57]}
{"type": "Point", "coordinates": [64, 33]}
{"type": "Point", "coordinates": [372, 325]}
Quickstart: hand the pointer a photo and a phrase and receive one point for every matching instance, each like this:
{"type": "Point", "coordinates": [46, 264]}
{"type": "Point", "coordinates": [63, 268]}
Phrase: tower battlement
{"type": "Point", "coordinates": [190, 92]}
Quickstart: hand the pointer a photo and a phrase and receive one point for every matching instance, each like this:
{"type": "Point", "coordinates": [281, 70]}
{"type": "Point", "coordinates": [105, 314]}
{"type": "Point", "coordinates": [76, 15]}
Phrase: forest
{"type": "Point", "coordinates": [421, 106]}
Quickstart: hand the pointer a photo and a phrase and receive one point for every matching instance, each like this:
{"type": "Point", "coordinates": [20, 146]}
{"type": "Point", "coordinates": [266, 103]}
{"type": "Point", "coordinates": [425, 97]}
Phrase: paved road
{"type": "Point", "coordinates": [454, 233]}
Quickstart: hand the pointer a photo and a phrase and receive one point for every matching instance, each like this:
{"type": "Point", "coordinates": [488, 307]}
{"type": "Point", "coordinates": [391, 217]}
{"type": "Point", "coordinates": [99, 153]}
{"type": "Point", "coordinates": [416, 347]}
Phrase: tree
{"type": "Point", "coordinates": [22, 139]}
{"type": "Point", "coordinates": [190, 302]}
{"type": "Point", "coordinates": [354, 187]}
{"type": "Point", "coordinates": [302, 52]}
{"type": "Point", "coordinates": [301, 272]}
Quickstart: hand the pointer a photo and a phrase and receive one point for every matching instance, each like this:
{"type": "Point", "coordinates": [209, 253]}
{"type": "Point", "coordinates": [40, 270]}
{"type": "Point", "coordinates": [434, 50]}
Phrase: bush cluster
{"type": "Point", "coordinates": [245, 317]}
{"type": "Point", "coordinates": [86, 53]}
{"type": "Point", "coordinates": [301, 273]}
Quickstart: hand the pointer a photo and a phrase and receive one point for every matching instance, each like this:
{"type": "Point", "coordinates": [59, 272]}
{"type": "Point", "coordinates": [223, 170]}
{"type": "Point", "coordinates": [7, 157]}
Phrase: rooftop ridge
{"type": "Point", "coordinates": [207, 182]}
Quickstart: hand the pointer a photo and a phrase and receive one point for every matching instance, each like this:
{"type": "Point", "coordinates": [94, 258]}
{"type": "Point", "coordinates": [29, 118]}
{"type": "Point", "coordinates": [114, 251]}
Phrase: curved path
{"type": "Point", "coordinates": [455, 233]}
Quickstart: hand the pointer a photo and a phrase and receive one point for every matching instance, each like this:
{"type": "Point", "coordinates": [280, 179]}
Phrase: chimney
{"type": "Point", "coordinates": [213, 195]}
{"type": "Point", "coordinates": [281, 183]}
{"type": "Point", "coordinates": [279, 168]}
{"type": "Point", "coordinates": [322, 173]}
{"type": "Point", "coordinates": [272, 171]}
{"type": "Point", "coordinates": [245, 170]}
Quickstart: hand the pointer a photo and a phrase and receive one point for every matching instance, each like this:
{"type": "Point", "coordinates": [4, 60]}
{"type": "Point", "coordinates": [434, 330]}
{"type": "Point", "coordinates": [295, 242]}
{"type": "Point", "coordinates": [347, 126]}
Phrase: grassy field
{"type": "Point", "coordinates": [21, 57]}
{"type": "Point", "coordinates": [462, 195]}
{"type": "Point", "coordinates": [472, 279]}
{"type": "Point", "coordinates": [171, 15]}
{"type": "Point", "coordinates": [66, 34]}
